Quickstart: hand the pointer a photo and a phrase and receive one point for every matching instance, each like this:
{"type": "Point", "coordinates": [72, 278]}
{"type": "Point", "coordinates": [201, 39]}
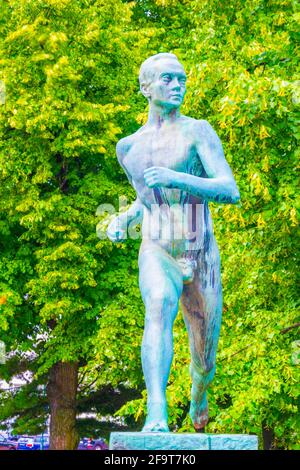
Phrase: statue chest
{"type": "Point", "coordinates": [171, 150]}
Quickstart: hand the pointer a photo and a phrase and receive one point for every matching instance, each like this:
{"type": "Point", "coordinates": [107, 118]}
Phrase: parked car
{"type": "Point", "coordinates": [85, 444]}
{"type": "Point", "coordinates": [33, 443]}
{"type": "Point", "coordinates": [99, 444]}
{"type": "Point", "coordinates": [42, 442]}
{"type": "Point", "coordinates": [14, 438]}
{"type": "Point", "coordinates": [92, 444]}
{"type": "Point", "coordinates": [7, 444]}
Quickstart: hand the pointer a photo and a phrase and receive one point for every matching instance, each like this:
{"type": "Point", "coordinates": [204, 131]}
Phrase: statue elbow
{"type": "Point", "coordinates": [236, 196]}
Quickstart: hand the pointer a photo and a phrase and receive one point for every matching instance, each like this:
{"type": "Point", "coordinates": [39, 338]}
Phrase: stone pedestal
{"type": "Point", "coordinates": [184, 441]}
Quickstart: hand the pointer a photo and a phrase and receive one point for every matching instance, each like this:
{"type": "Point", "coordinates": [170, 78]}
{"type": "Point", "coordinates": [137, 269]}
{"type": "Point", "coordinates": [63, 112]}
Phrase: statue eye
{"type": "Point", "coordinates": [166, 78]}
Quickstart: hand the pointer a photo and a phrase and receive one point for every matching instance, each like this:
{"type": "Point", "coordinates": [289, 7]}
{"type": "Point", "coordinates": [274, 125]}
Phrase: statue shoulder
{"type": "Point", "coordinates": [196, 126]}
{"type": "Point", "coordinates": [123, 146]}
{"type": "Point", "coordinates": [202, 129]}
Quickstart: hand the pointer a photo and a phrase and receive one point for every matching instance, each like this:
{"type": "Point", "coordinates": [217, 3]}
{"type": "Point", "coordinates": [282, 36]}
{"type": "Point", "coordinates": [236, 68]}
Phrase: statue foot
{"type": "Point", "coordinates": [157, 417]}
{"type": "Point", "coordinates": [156, 426]}
{"type": "Point", "coordinates": [199, 414]}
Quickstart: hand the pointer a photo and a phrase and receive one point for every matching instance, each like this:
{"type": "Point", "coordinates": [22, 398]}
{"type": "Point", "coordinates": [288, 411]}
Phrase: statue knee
{"type": "Point", "coordinates": [160, 304]}
{"type": "Point", "coordinates": [159, 298]}
{"type": "Point", "coordinates": [209, 369]}
{"type": "Point", "coordinates": [205, 369]}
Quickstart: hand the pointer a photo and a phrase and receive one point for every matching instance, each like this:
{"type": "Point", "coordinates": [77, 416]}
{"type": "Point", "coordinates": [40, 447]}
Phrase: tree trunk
{"type": "Point", "coordinates": [268, 436]}
{"type": "Point", "coordinates": [61, 392]}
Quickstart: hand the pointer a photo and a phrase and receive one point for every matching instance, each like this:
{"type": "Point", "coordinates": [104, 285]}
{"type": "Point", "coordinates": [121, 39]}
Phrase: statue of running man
{"type": "Point", "coordinates": [176, 165]}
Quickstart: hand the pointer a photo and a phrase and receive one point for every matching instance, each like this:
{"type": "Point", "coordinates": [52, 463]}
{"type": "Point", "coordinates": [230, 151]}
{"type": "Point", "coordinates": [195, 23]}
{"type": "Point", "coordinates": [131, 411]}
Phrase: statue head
{"type": "Point", "coordinates": [163, 80]}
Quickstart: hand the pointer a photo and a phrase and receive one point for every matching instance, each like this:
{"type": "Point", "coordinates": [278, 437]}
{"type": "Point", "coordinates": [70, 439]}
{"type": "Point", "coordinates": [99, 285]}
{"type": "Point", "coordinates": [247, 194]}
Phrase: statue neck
{"type": "Point", "coordinates": [159, 115]}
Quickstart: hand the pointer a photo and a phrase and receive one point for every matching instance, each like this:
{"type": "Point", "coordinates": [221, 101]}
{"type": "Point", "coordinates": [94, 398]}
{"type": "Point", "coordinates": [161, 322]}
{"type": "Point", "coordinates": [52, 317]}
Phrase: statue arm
{"type": "Point", "coordinates": [135, 211]}
{"type": "Point", "coordinates": [117, 229]}
{"type": "Point", "coordinates": [220, 185]}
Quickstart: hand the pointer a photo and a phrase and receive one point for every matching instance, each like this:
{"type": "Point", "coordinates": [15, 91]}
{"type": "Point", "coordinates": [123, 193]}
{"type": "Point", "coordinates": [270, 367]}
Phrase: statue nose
{"type": "Point", "coordinates": [175, 84]}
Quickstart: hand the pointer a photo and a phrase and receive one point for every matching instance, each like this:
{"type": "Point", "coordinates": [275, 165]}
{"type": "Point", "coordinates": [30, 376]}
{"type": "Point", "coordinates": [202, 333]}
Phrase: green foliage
{"type": "Point", "coordinates": [68, 73]}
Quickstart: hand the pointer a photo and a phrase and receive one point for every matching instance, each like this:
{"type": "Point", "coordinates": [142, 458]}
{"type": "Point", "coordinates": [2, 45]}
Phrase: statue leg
{"type": "Point", "coordinates": [161, 287]}
{"type": "Point", "coordinates": [202, 308]}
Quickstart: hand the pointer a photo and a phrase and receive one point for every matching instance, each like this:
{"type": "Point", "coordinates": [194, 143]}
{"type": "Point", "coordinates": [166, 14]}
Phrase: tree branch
{"type": "Point", "coordinates": [288, 328]}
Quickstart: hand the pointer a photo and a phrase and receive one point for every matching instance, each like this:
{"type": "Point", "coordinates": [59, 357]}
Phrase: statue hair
{"type": "Point", "coordinates": [147, 71]}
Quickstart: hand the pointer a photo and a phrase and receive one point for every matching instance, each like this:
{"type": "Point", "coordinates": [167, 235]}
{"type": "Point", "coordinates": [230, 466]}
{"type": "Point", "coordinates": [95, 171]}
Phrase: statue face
{"type": "Point", "coordinates": [169, 84]}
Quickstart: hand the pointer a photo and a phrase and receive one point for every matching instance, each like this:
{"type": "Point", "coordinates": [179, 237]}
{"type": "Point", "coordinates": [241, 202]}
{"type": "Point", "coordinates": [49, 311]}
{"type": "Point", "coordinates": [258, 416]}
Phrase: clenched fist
{"type": "Point", "coordinates": [116, 231]}
{"type": "Point", "coordinates": [160, 176]}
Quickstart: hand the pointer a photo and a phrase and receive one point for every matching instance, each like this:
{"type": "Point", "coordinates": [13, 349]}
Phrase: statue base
{"type": "Point", "coordinates": [181, 441]}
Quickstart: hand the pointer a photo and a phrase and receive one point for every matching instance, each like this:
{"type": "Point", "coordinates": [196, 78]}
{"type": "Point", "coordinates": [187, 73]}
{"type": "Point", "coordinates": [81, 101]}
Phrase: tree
{"type": "Point", "coordinates": [67, 68]}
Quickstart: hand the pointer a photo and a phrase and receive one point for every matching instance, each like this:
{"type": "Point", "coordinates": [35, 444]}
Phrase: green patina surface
{"type": "Point", "coordinates": [187, 441]}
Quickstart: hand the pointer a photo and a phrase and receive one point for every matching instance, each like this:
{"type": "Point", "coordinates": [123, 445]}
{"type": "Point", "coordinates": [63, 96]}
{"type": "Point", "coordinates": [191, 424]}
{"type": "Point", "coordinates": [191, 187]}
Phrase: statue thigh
{"type": "Point", "coordinates": [160, 281]}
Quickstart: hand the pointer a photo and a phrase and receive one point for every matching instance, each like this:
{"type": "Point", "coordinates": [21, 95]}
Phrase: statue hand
{"type": "Point", "coordinates": [160, 176]}
{"type": "Point", "coordinates": [116, 231]}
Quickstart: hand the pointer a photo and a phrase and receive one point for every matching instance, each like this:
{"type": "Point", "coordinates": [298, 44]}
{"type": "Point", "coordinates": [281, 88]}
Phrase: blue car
{"type": "Point", "coordinates": [6, 443]}
{"type": "Point", "coordinates": [34, 443]}
{"type": "Point", "coordinates": [92, 444]}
